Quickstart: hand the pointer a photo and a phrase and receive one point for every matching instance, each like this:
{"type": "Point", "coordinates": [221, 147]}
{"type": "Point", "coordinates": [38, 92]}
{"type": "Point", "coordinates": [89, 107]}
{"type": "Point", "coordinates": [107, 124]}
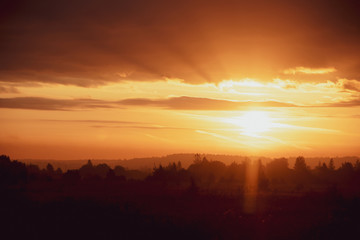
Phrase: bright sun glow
{"type": "Point", "coordinates": [255, 122]}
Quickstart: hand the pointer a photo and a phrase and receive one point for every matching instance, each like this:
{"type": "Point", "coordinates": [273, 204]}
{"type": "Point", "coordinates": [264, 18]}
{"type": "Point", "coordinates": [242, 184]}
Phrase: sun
{"type": "Point", "coordinates": [253, 123]}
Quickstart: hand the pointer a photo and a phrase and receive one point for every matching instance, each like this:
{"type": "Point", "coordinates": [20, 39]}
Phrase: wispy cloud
{"type": "Point", "coordinates": [277, 140]}
{"type": "Point", "coordinates": [91, 121]}
{"type": "Point", "coordinates": [350, 85]}
{"type": "Point", "coordinates": [296, 127]}
{"type": "Point", "coordinates": [216, 135]}
{"type": "Point", "coordinates": [8, 89]}
{"type": "Point", "coordinates": [150, 126]}
{"type": "Point", "coordinates": [37, 103]}
{"type": "Point", "coordinates": [306, 70]}
{"type": "Point", "coordinates": [118, 124]}
{"type": "Point", "coordinates": [350, 103]}
{"type": "Point", "coordinates": [158, 138]}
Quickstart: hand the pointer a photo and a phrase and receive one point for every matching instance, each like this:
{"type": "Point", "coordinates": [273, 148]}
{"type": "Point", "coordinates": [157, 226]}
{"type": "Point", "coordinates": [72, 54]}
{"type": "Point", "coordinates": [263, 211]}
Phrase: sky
{"type": "Point", "coordinates": [121, 79]}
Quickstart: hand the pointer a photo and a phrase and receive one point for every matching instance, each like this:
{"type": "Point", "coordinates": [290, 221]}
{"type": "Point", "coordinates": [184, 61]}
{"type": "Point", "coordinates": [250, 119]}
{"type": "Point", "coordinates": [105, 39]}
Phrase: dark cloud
{"type": "Point", "coordinates": [350, 103]}
{"type": "Point", "coordinates": [192, 103]}
{"type": "Point", "coordinates": [6, 89]}
{"type": "Point", "coordinates": [352, 86]}
{"type": "Point", "coordinates": [37, 103]}
{"type": "Point", "coordinates": [176, 103]}
{"type": "Point", "coordinates": [89, 43]}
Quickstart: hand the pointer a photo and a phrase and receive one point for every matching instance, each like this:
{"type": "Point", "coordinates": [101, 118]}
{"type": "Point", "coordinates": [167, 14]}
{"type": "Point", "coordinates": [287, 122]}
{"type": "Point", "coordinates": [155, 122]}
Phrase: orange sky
{"type": "Point", "coordinates": [115, 79]}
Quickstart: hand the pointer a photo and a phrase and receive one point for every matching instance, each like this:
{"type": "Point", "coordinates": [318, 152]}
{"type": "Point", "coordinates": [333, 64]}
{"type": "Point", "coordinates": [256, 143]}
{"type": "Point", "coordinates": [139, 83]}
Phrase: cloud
{"type": "Point", "coordinates": [350, 85]}
{"type": "Point", "coordinates": [37, 103]}
{"type": "Point", "coordinates": [154, 127]}
{"type": "Point", "coordinates": [349, 103]}
{"type": "Point", "coordinates": [175, 103]}
{"type": "Point", "coordinates": [305, 70]}
{"type": "Point", "coordinates": [107, 122]}
{"type": "Point", "coordinates": [117, 124]}
{"type": "Point", "coordinates": [6, 89]}
{"type": "Point", "coordinates": [192, 103]}
{"type": "Point", "coordinates": [91, 43]}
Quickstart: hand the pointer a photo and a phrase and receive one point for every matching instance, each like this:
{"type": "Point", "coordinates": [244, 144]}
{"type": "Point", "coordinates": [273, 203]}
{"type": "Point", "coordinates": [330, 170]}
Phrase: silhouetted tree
{"type": "Point", "coordinates": [331, 165]}
{"type": "Point", "coordinates": [300, 165]}
{"type": "Point", "coordinates": [346, 172]}
{"type": "Point", "coordinates": [324, 166]}
{"type": "Point", "coordinates": [347, 167]}
{"type": "Point", "coordinates": [357, 165]}
{"type": "Point", "coordinates": [58, 172]}
{"type": "Point", "coordinates": [11, 172]}
{"type": "Point", "coordinates": [90, 171]}
{"type": "Point", "coordinates": [278, 170]}
{"type": "Point", "coordinates": [101, 170]}
{"type": "Point", "coordinates": [263, 182]}
{"type": "Point", "coordinates": [119, 171]}
{"type": "Point", "coordinates": [34, 172]}
{"type": "Point", "coordinates": [72, 176]}
{"type": "Point", "coordinates": [205, 170]}
{"type": "Point", "coordinates": [193, 188]}
{"type": "Point", "coordinates": [4, 169]}
{"type": "Point", "coordinates": [301, 173]}
{"type": "Point", "coordinates": [110, 175]}
{"type": "Point", "coordinates": [322, 173]}
{"type": "Point", "coordinates": [173, 173]}
{"type": "Point", "coordinates": [236, 172]}
{"type": "Point", "coordinates": [4, 160]}
{"type": "Point", "coordinates": [89, 163]}
{"type": "Point", "coordinates": [49, 168]}
{"type": "Point", "coordinates": [197, 158]}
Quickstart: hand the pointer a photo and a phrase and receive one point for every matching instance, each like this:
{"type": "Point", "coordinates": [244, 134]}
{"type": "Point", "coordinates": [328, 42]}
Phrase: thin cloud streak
{"type": "Point", "coordinates": [305, 70]}
{"type": "Point", "coordinates": [159, 138]}
{"type": "Point", "coordinates": [154, 127]}
{"type": "Point", "coordinates": [272, 125]}
{"type": "Point", "coordinates": [228, 139]}
{"type": "Point", "coordinates": [8, 89]}
{"type": "Point", "coordinates": [37, 103]}
{"type": "Point", "coordinates": [289, 126]}
{"type": "Point", "coordinates": [276, 140]}
{"type": "Point", "coordinates": [91, 121]}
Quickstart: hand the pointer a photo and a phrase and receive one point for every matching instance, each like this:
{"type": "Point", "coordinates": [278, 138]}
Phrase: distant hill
{"type": "Point", "coordinates": [186, 160]}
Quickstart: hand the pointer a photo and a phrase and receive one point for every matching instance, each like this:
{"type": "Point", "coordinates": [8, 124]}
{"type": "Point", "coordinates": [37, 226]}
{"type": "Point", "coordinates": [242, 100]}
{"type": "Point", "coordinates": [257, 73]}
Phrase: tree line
{"type": "Point", "coordinates": [207, 200]}
{"type": "Point", "coordinates": [204, 173]}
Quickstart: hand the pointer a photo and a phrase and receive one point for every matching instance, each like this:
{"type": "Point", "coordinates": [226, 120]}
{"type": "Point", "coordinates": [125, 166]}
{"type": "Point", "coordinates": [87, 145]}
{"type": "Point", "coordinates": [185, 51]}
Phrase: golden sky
{"type": "Point", "coordinates": [115, 79]}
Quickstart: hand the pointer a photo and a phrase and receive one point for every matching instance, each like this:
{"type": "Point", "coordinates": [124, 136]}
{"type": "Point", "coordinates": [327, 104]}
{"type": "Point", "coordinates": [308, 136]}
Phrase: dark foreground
{"type": "Point", "coordinates": [47, 205]}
